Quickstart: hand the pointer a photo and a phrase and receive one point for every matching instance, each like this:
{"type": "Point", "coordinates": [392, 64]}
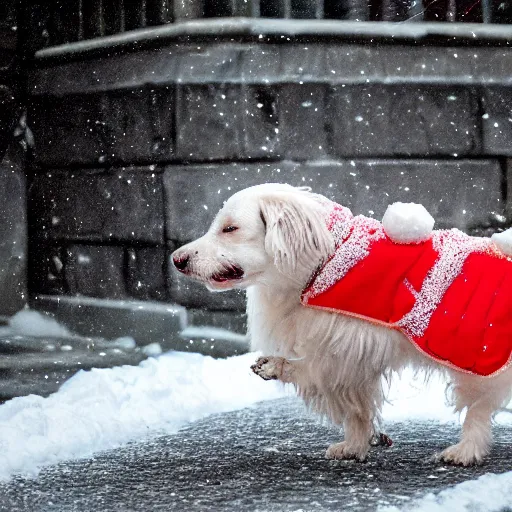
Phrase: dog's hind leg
{"type": "Point", "coordinates": [476, 436]}
{"type": "Point", "coordinates": [482, 397]}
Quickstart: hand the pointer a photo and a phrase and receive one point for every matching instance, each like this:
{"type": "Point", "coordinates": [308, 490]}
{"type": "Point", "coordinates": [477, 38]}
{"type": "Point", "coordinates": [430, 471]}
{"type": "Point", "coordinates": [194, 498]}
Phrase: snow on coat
{"type": "Point", "coordinates": [450, 294]}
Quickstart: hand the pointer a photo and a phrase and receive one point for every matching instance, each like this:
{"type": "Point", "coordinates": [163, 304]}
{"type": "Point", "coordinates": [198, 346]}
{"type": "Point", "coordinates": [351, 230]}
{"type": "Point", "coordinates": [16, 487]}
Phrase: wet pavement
{"type": "Point", "coordinates": [267, 458]}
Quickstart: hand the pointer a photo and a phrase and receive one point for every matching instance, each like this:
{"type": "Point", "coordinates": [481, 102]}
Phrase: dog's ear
{"type": "Point", "coordinates": [296, 236]}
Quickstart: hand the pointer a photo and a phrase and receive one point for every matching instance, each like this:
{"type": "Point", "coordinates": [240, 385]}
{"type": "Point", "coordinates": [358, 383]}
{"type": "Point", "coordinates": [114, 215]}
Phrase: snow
{"type": "Point", "coordinates": [153, 349]}
{"type": "Point", "coordinates": [503, 241]}
{"type": "Point", "coordinates": [488, 493]}
{"type": "Point", "coordinates": [407, 223]}
{"type": "Point", "coordinates": [105, 408]}
{"type": "Point", "coordinates": [212, 333]}
{"type": "Point", "coordinates": [102, 409]}
{"type": "Point", "coordinates": [412, 397]}
{"type": "Point", "coordinates": [31, 323]}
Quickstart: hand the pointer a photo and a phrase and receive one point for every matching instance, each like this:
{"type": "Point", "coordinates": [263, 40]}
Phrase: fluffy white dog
{"type": "Point", "coordinates": [271, 239]}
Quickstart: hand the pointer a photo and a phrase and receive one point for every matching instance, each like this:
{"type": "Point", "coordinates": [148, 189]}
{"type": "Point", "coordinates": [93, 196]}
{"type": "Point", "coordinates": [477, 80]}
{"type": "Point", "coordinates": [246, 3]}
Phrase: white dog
{"type": "Point", "coordinates": [271, 239]}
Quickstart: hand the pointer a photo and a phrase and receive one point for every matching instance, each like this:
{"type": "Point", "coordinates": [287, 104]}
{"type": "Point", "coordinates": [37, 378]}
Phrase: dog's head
{"type": "Point", "coordinates": [263, 233]}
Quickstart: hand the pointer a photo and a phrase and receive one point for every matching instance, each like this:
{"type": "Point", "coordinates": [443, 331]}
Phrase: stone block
{"type": "Point", "coordinates": [382, 120]}
{"type": "Point", "coordinates": [209, 63]}
{"type": "Point", "coordinates": [190, 210]}
{"type": "Point", "coordinates": [302, 122]}
{"type": "Point", "coordinates": [132, 70]}
{"type": "Point", "coordinates": [123, 204]}
{"type": "Point", "coordinates": [118, 126]}
{"type": "Point", "coordinates": [140, 124]}
{"type": "Point", "coordinates": [497, 121]}
{"type": "Point", "coordinates": [69, 129]}
{"type": "Point", "coordinates": [146, 271]}
{"type": "Point", "coordinates": [299, 64]}
{"type": "Point", "coordinates": [237, 122]}
{"type": "Point", "coordinates": [216, 109]}
{"type": "Point", "coordinates": [232, 320]}
{"type": "Point", "coordinates": [129, 122]}
{"type": "Point", "coordinates": [459, 193]}
{"type": "Point", "coordinates": [95, 271]}
{"type": "Point", "coordinates": [13, 233]}
{"type": "Point", "coordinates": [46, 269]}
{"type": "Point", "coordinates": [260, 131]}
{"type": "Point", "coordinates": [146, 322]}
{"type": "Point", "coordinates": [217, 62]}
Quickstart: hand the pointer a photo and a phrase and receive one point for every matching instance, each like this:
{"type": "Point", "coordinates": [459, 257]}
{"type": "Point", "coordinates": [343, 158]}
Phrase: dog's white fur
{"type": "Point", "coordinates": [337, 363]}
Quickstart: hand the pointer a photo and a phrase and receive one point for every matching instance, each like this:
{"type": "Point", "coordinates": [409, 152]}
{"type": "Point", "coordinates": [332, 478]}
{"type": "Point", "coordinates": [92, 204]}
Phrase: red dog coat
{"type": "Point", "coordinates": [450, 295]}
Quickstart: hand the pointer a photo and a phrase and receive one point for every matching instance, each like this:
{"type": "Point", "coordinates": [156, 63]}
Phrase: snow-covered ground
{"type": "Point", "coordinates": [105, 408]}
{"type": "Point", "coordinates": [101, 409]}
{"type": "Point", "coordinates": [489, 493]}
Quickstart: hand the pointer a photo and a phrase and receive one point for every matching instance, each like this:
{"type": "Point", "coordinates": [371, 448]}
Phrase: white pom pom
{"type": "Point", "coordinates": [503, 241]}
{"type": "Point", "coordinates": [407, 223]}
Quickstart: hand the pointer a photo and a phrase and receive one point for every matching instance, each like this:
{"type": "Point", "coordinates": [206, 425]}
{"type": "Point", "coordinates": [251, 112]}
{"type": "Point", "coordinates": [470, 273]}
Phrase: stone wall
{"type": "Point", "coordinates": [13, 233]}
{"type": "Point", "coordinates": [138, 144]}
{"type": "Point", "coordinates": [13, 229]}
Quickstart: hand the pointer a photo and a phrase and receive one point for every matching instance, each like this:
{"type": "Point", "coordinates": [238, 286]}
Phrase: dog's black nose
{"type": "Point", "coordinates": [181, 262]}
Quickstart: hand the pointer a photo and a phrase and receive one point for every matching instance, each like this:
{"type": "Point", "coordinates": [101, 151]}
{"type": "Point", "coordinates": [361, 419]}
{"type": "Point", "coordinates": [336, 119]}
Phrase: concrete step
{"type": "Point", "coordinates": [32, 362]}
{"type": "Point", "coordinates": [146, 322]}
{"type": "Point", "coordinates": [40, 362]}
{"type": "Point", "coordinates": [214, 333]}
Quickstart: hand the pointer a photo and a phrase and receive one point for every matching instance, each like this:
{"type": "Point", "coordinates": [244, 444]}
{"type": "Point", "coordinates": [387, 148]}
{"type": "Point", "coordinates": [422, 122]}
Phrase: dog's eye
{"type": "Point", "coordinates": [229, 229]}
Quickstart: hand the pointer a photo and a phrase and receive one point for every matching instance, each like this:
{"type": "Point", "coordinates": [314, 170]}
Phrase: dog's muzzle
{"type": "Point", "coordinates": [232, 273]}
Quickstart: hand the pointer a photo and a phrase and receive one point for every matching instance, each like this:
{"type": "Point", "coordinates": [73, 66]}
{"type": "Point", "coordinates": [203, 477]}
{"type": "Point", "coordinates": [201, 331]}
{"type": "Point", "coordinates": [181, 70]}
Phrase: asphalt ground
{"type": "Point", "coordinates": [266, 458]}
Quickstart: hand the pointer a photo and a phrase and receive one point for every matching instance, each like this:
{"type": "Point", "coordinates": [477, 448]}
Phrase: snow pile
{"type": "Point", "coordinates": [213, 333]}
{"type": "Point", "coordinates": [411, 397]}
{"type": "Point", "coordinates": [407, 223]}
{"type": "Point", "coordinates": [106, 408]}
{"type": "Point", "coordinates": [503, 241]}
{"type": "Point", "coordinates": [31, 323]}
{"type": "Point", "coordinates": [102, 409]}
{"type": "Point", "coordinates": [488, 493]}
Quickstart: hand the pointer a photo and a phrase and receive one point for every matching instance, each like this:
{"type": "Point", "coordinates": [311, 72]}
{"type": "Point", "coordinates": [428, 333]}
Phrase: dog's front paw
{"type": "Point", "coordinates": [465, 453]}
{"type": "Point", "coordinates": [268, 368]}
{"type": "Point", "coordinates": [343, 451]}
